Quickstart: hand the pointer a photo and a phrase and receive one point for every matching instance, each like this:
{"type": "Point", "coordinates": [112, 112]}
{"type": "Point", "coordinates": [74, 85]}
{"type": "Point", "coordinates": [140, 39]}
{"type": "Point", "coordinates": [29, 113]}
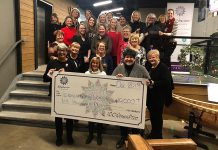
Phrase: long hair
{"type": "Point", "coordinates": [100, 67]}
{"type": "Point", "coordinates": [88, 28]}
{"type": "Point", "coordinates": [81, 24]}
{"type": "Point", "coordinates": [136, 11]}
{"type": "Point", "coordinates": [109, 25]}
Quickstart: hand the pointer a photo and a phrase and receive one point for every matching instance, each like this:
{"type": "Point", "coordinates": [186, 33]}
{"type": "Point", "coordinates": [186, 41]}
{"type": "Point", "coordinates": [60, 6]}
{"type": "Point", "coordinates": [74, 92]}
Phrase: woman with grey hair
{"type": "Point", "coordinates": [75, 14]}
{"type": "Point", "coordinates": [152, 33]}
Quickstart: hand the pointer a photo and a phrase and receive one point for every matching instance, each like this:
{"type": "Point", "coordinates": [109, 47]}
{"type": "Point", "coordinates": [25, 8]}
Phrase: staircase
{"type": "Point", "coordinates": [28, 104]}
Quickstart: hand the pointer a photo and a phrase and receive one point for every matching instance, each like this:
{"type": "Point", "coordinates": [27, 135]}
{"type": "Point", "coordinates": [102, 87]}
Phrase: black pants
{"type": "Point", "coordinates": [124, 131]}
{"type": "Point", "coordinates": [156, 122]}
{"type": "Point", "coordinates": [99, 127]}
{"type": "Point", "coordinates": [59, 128]}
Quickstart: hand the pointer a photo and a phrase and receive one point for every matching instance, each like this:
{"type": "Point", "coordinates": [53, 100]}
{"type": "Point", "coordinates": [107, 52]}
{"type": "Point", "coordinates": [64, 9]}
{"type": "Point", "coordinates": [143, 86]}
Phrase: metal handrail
{"type": "Point", "coordinates": [9, 51]}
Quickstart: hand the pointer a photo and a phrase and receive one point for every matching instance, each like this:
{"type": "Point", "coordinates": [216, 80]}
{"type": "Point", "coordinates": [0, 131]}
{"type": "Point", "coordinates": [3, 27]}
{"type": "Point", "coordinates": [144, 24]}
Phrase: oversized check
{"type": "Point", "coordinates": [102, 99]}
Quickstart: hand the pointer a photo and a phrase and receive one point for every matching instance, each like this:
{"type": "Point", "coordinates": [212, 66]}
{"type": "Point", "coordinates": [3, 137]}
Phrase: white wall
{"type": "Point", "coordinates": [204, 28]}
{"type": "Point", "coordinates": [7, 38]}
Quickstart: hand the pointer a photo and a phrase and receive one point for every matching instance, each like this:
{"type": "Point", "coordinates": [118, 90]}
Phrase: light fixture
{"type": "Point", "coordinates": [113, 10]}
{"type": "Point", "coordinates": [102, 3]}
{"type": "Point", "coordinates": [116, 17]}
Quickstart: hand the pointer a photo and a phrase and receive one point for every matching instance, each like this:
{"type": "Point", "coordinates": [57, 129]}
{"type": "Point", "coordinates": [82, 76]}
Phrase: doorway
{"type": "Point", "coordinates": [43, 11]}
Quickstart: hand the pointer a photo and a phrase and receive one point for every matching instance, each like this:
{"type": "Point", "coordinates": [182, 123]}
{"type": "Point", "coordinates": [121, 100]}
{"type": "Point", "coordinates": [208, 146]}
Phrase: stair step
{"type": "Point", "coordinates": [33, 83]}
{"type": "Point", "coordinates": [29, 84]}
{"type": "Point", "coordinates": [47, 121]}
{"type": "Point", "coordinates": [27, 118]}
{"type": "Point", "coordinates": [33, 75]}
{"type": "Point", "coordinates": [30, 93]}
{"type": "Point", "coordinates": [27, 106]}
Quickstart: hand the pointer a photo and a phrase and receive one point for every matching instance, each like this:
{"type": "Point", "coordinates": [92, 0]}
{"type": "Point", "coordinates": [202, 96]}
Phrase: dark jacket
{"type": "Point", "coordinates": [161, 92]}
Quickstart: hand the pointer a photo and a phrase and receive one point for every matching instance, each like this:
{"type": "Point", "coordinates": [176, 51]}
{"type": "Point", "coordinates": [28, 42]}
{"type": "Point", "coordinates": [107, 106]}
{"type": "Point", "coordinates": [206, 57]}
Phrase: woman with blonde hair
{"type": "Point", "coordinates": [102, 20]}
{"type": "Point", "coordinates": [95, 67]}
{"type": "Point", "coordinates": [159, 92]}
{"type": "Point", "coordinates": [137, 25]}
{"type": "Point", "coordinates": [140, 51]}
{"type": "Point", "coordinates": [116, 38]}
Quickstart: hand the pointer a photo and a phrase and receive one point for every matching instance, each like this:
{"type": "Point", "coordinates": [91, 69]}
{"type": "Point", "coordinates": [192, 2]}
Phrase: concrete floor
{"type": "Point", "coordinates": [14, 137]}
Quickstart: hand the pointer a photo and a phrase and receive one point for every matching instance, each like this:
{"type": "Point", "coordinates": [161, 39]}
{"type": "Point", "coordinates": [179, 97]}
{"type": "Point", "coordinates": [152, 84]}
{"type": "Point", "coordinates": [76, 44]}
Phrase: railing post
{"type": "Point", "coordinates": [207, 57]}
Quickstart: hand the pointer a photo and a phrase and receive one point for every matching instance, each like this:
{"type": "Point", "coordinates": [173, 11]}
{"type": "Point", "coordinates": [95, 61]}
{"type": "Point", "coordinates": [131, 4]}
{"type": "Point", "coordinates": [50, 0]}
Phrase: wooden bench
{"type": "Point", "coordinates": [136, 142]}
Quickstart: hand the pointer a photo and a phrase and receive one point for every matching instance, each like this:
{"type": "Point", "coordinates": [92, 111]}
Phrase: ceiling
{"type": "Point", "coordinates": [129, 5]}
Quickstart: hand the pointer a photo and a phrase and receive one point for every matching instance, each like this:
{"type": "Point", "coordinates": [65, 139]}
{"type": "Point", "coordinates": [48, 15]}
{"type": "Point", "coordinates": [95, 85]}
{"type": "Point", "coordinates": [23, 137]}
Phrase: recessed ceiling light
{"type": "Point", "coordinates": [113, 10]}
{"type": "Point", "coordinates": [102, 3]}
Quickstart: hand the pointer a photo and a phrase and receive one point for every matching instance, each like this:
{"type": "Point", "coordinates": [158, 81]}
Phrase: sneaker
{"type": "Point", "coordinates": [99, 140]}
{"type": "Point", "coordinates": [59, 142]}
{"type": "Point", "coordinates": [89, 139]}
{"type": "Point", "coordinates": [121, 142]}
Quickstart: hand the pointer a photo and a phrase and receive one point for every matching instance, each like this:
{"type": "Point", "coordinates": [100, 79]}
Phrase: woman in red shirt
{"type": "Point", "coordinates": [116, 38]}
{"type": "Point", "coordinates": [69, 31]}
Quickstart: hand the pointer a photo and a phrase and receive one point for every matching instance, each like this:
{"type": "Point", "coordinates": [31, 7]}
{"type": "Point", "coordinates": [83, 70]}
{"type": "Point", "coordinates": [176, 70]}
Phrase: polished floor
{"type": "Point", "coordinates": [14, 137]}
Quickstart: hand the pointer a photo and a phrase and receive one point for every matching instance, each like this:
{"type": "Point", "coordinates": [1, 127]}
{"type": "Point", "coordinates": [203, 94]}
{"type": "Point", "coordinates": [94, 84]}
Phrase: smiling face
{"type": "Point", "coordinates": [150, 20]}
{"type": "Point", "coordinates": [122, 21]}
{"type": "Point", "coordinates": [60, 37]}
{"type": "Point", "coordinates": [69, 22]}
{"type": "Point", "coordinates": [62, 53]}
{"type": "Point", "coordinates": [82, 29]}
{"type": "Point", "coordinates": [102, 18]}
{"type": "Point", "coordinates": [95, 64]}
{"type": "Point", "coordinates": [170, 14]}
{"type": "Point", "coordinates": [153, 59]}
{"type": "Point", "coordinates": [75, 14]}
{"type": "Point", "coordinates": [126, 33]}
{"type": "Point", "coordinates": [136, 16]}
{"type": "Point", "coordinates": [101, 30]}
{"type": "Point", "coordinates": [101, 49]}
{"type": "Point", "coordinates": [109, 16]}
{"type": "Point", "coordinates": [129, 60]}
{"type": "Point", "coordinates": [91, 22]}
{"type": "Point", "coordinates": [88, 14]}
{"type": "Point", "coordinates": [162, 19]}
{"type": "Point", "coordinates": [54, 19]}
{"type": "Point", "coordinates": [134, 41]}
{"type": "Point", "coordinates": [113, 23]}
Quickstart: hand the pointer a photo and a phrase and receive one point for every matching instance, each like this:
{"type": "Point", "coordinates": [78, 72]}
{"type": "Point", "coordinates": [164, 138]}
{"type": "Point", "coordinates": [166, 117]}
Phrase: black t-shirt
{"type": "Point", "coordinates": [84, 45]}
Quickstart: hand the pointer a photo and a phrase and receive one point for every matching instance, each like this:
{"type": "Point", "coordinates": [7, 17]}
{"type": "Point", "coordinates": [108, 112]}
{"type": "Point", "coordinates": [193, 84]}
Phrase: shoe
{"type": "Point", "coordinates": [70, 141]}
{"type": "Point", "coordinates": [59, 142]}
{"type": "Point", "coordinates": [120, 143]}
{"type": "Point", "coordinates": [89, 139]}
{"type": "Point", "coordinates": [99, 140]}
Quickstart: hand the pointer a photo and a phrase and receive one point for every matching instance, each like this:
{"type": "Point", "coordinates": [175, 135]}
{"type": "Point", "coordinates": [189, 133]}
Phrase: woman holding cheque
{"type": "Point", "coordinates": [159, 92]}
{"type": "Point", "coordinates": [61, 64]}
{"type": "Point", "coordinates": [95, 67]}
{"type": "Point", "coordinates": [129, 68]}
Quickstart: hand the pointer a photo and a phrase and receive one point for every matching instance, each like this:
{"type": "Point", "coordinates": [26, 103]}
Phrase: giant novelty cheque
{"type": "Point", "coordinates": [102, 99]}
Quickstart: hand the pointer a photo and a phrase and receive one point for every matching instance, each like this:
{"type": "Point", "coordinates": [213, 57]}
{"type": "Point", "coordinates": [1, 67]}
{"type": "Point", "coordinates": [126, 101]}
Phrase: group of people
{"type": "Point", "coordinates": [107, 46]}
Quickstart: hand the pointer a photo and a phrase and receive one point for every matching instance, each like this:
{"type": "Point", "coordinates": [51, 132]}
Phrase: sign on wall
{"type": "Point", "coordinates": [183, 12]}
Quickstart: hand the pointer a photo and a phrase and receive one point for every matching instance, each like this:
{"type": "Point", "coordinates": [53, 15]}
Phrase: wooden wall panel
{"type": "Point", "coordinates": [27, 32]}
{"type": "Point", "coordinates": [61, 7]}
{"type": "Point", "coordinates": [198, 92]}
{"type": "Point", "coordinates": [27, 27]}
